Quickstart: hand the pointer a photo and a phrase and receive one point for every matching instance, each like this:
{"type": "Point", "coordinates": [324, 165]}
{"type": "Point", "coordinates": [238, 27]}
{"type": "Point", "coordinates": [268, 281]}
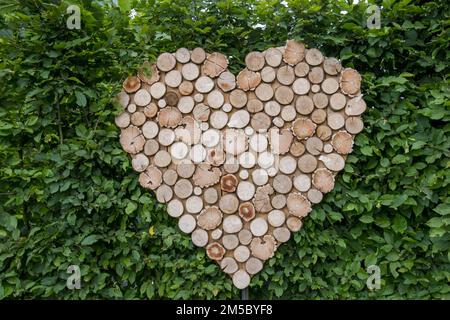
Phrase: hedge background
{"type": "Point", "coordinates": [68, 194]}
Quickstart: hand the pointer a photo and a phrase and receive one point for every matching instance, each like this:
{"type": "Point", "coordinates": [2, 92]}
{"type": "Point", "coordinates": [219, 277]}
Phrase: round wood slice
{"type": "Point", "coordinates": [313, 57]}
{"type": "Point", "coordinates": [229, 203]}
{"type": "Point", "coordinates": [157, 90]}
{"type": "Point", "coordinates": [268, 74]}
{"type": "Point", "coordinates": [241, 253]}
{"type": "Point", "coordinates": [151, 110]}
{"type": "Point", "coordinates": [166, 137]}
{"type": "Point", "coordinates": [215, 251]}
{"type": "Point", "coordinates": [185, 169]}
{"type": "Point", "coordinates": [307, 163]}
{"type": "Point", "coordinates": [294, 52]}
{"type": "Point", "coordinates": [281, 234]}
{"type": "Point", "coordinates": [228, 265]}
{"type": "Point", "coordinates": [199, 237]}
{"type": "Point", "coordinates": [261, 201]}
{"type": "Point", "coordinates": [298, 205]}
{"type": "Point", "coordinates": [350, 82]}
{"type": "Point", "coordinates": [218, 119]}
{"type": "Point", "coordinates": [263, 248]}
{"type": "Point", "coordinates": [151, 147]}
{"type": "Point", "coordinates": [169, 117]}
{"type": "Point", "coordinates": [302, 182]}
{"type": "Point", "coordinates": [288, 113]}
{"type": "Point", "coordinates": [164, 194]}
{"type": "Point", "coordinates": [320, 100]}
{"type": "Point", "coordinates": [201, 112]}
{"type": "Point", "coordinates": [315, 88]}
{"type": "Point", "coordinates": [173, 78]}
{"type": "Point", "coordinates": [301, 69]}
{"type": "Point", "coordinates": [183, 55]}
{"type": "Point", "coordinates": [328, 148]}
{"type": "Point", "coordinates": [335, 120]}
{"type": "Point", "coordinates": [255, 61]}
{"type": "Point", "coordinates": [333, 161]}
{"type": "Point", "coordinates": [284, 95]}
{"type": "Point", "coordinates": [204, 84]}
{"type": "Point", "coordinates": [303, 128]}
{"type": "Point", "coordinates": [183, 188]}
{"type": "Point", "coordinates": [215, 64]}
{"type": "Point", "coordinates": [187, 223]}
{"type": "Point", "coordinates": [241, 279]}
{"type": "Point", "coordinates": [151, 178]}
{"type": "Point", "coordinates": [354, 125]}
{"type": "Point", "coordinates": [230, 241]}
{"type": "Point", "coordinates": [246, 211]}
{"type": "Point", "coordinates": [323, 180]}
{"type": "Point", "coordinates": [131, 84]}
{"type": "Point", "coordinates": [132, 140]}
{"type": "Point", "coordinates": [175, 208]}
{"type": "Point", "coordinates": [266, 160]}
{"type": "Point", "coordinates": [282, 184]}
{"type": "Point", "coordinates": [210, 195]}
{"type": "Point", "coordinates": [323, 132]}
{"type": "Point", "coordinates": [190, 71]}
{"type": "Point", "coordinates": [166, 62]}
{"type": "Point", "coordinates": [342, 142]}
{"type": "Point", "coordinates": [210, 218]}
{"type": "Point", "coordinates": [355, 106]}
{"type": "Point", "coordinates": [123, 120]}
{"type": "Point", "coordinates": [123, 98]}
{"type": "Point", "coordinates": [332, 66]}
{"type": "Point", "coordinates": [253, 265]}
{"type": "Point", "coordinates": [276, 218]}
{"type": "Point", "coordinates": [198, 55]}
{"type": "Point", "coordinates": [260, 177]}
{"type": "Point", "coordinates": [170, 177]}
{"type": "Point", "coordinates": [232, 224]}
{"type": "Point", "coordinates": [264, 92]}
{"type": "Point", "coordinates": [138, 118]}
{"type": "Point", "coordinates": [288, 164]}
{"type": "Point", "coordinates": [131, 108]}
{"type": "Point", "coordinates": [186, 104]}
{"type": "Point", "coordinates": [245, 190]}
{"type": "Point", "coordinates": [315, 196]}
{"type": "Point", "coordinates": [216, 234]}
{"type": "Point", "coordinates": [314, 146]}
{"type": "Point", "coordinates": [238, 98]}
{"type": "Point", "coordinates": [286, 75]}
{"type": "Point", "coordinates": [273, 57]}
{"type": "Point", "coordinates": [194, 204]}
{"type": "Point", "coordinates": [259, 227]}
{"type": "Point", "coordinates": [260, 121]}
{"type": "Point", "coordinates": [226, 81]}
{"type": "Point", "coordinates": [258, 142]}
{"type": "Point", "coordinates": [318, 116]}
{"type": "Point", "coordinates": [142, 98]}
{"type": "Point", "coordinates": [215, 99]}
{"type": "Point", "coordinates": [294, 224]}
{"type": "Point", "coordinates": [239, 119]}
{"type": "Point", "coordinates": [186, 88]}
{"type": "Point", "coordinates": [316, 75]}
{"type": "Point", "coordinates": [297, 148]}
{"type": "Point", "coordinates": [248, 80]}
{"type": "Point", "coordinates": [279, 201]}
{"type": "Point", "coordinates": [330, 85]}
{"type": "Point", "coordinates": [140, 162]}
{"type": "Point", "coordinates": [338, 101]}
{"type": "Point", "coordinates": [304, 105]}
{"type": "Point", "coordinates": [245, 236]}
{"type": "Point", "coordinates": [301, 86]}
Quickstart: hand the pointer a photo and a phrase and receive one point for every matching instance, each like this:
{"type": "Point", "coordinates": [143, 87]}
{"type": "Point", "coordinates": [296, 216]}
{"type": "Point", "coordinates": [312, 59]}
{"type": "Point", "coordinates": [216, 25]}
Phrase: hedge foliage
{"type": "Point", "coordinates": [68, 195]}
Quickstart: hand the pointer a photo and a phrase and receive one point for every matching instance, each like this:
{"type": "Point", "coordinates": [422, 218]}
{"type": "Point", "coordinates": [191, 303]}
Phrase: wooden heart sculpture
{"type": "Point", "coordinates": [240, 160]}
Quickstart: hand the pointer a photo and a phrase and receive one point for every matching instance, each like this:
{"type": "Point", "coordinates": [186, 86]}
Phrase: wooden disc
{"type": "Point", "coordinates": [253, 265]}
{"type": "Point", "coordinates": [215, 64]}
{"type": "Point", "coordinates": [273, 57]}
{"type": "Point", "coordinates": [194, 204]}
{"type": "Point", "coordinates": [281, 234]}
{"type": "Point", "coordinates": [332, 66]}
{"type": "Point", "coordinates": [304, 105]}
{"type": "Point", "coordinates": [342, 142]}
{"type": "Point", "coordinates": [294, 224]}
{"type": "Point", "coordinates": [226, 81]}
{"type": "Point", "coordinates": [241, 253]}
{"type": "Point", "coordinates": [335, 120]}
{"type": "Point", "coordinates": [185, 169]}
{"type": "Point", "coordinates": [263, 248]}
{"type": "Point", "coordinates": [301, 86]}
{"type": "Point", "coordinates": [314, 146]}
{"type": "Point", "coordinates": [248, 80]}
{"type": "Point", "coordinates": [279, 201]}
{"type": "Point", "coordinates": [355, 106]}
{"type": "Point", "coordinates": [320, 100]}
{"type": "Point", "coordinates": [284, 95]}
{"type": "Point", "coordinates": [157, 90]}
{"type": "Point", "coordinates": [297, 148]}
{"type": "Point", "coordinates": [151, 178]}
{"type": "Point", "coordinates": [260, 177]}
{"type": "Point", "coordinates": [333, 161]}
{"type": "Point", "coordinates": [175, 208]}
{"type": "Point", "coordinates": [323, 132]}
{"type": "Point", "coordinates": [276, 218]}
{"type": "Point", "coordinates": [330, 85]}
{"type": "Point", "coordinates": [350, 82]}
{"type": "Point", "coordinates": [199, 237]}
{"type": "Point", "coordinates": [182, 55]}
{"type": "Point", "coordinates": [354, 125]}
{"type": "Point", "coordinates": [288, 113]}
{"type": "Point", "coordinates": [190, 71]}
{"type": "Point", "coordinates": [187, 223]}
{"type": "Point", "coordinates": [230, 241]}
{"type": "Point", "coordinates": [130, 85]}
{"type": "Point", "coordinates": [323, 180]}
{"type": "Point", "coordinates": [241, 279]}
{"type": "Point", "coordinates": [294, 52]}
{"type": "Point", "coordinates": [238, 98]}
{"type": "Point", "coordinates": [151, 147]}
{"type": "Point", "coordinates": [255, 61]}
{"type": "Point", "coordinates": [142, 98]}
{"type": "Point", "coordinates": [301, 69]}
{"type": "Point", "coordinates": [164, 193]}
{"type": "Point", "coordinates": [170, 177]}
{"type": "Point", "coordinates": [307, 163]}
{"type": "Point", "coordinates": [229, 203]}
{"type": "Point", "coordinates": [303, 128]}
{"type": "Point", "coordinates": [218, 119]}
{"type": "Point", "coordinates": [166, 62]}
{"type": "Point", "coordinates": [140, 162]}
{"type": "Point", "coordinates": [314, 195]}
{"type": "Point", "coordinates": [204, 84]}
{"type": "Point", "coordinates": [232, 224]}
{"type": "Point", "coordinates": [210, 218]}
{"type": "Point", "coordinates": [183, 188]}
{"type": "Point", "coordinates": [264, 92]}
{"type": "Point", "coordinates": [138, 118]}
{"type": "Point", "coordinates": [286, 75]}
{"type": "Point", "coordinates": [268, 74]}
{"type": "Point", "coordinates": [131, 108]}
{"type": "Point", "coordinates": [302, 182]}
{"type": "Point", "coordinates": [316, 75]}
{"type": "Point", "coordinates": [228, 265]}
{"type": "Point", "coordinates": [173, 78]}
{"type": "Point", "coordinates": [216, 234]}
{"type": "Point", "coordinates": [298, 205]}
{"type": "Point", "coordinates": [288, 164]}
{"type": "Point", "coordinates": [210, 195]}
{"type": "Point", "coordinates": [245, 236]}
{"type": "Point", "coordinates": [123, 98]}
{"type": "Point", "coordinates": [313, 57]}
{"type": "Point", "coordinates": [255, 105]}
{"type": "Point", "coordinates": [198, 55]}
{"type": "Point", "coordinates": [132, 140]}
{"type": "Point", "coordinates": [282, 184]}
{"type": "Point", "coordinates": [215, 251]}
{"type": "Point", "coordinates": [260, 121]}
{"type": "Point", "coordinates": [259, 227]}
{"type": "Point", "coordinates": [186, 88]}
{"type": "Point", "coordinates": [122, 120]}
{"type": "Point", "coordinates": [319, 116]}
{"type": "Point", "coordinates": [245, 190]}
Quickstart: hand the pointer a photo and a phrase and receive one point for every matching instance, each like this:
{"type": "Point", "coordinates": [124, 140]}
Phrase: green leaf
{"type": "Point", "coordinates": [91, 239]}
{"type": "Point", "coordinates": [81, 99]}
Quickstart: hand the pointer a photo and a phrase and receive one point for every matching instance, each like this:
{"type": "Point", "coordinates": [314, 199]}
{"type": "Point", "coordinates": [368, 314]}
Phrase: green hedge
{"type": "Point", "coordinates": [68, 194]}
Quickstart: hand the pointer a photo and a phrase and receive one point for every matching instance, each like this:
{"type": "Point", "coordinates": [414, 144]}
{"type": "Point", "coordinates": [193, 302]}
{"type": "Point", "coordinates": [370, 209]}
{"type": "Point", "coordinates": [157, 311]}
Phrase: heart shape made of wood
{"type": "Point", "coordinates": [240, 160]}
